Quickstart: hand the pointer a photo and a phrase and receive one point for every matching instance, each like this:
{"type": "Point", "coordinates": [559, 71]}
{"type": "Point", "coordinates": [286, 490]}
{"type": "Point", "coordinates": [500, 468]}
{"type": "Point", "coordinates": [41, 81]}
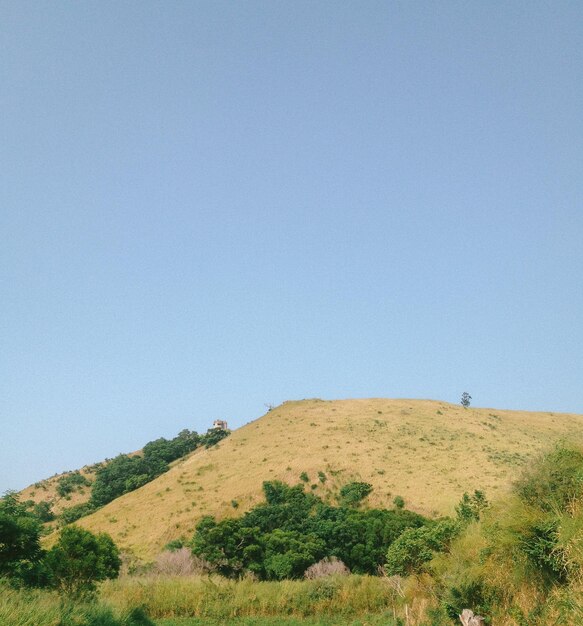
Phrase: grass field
{"type": "Point", "coordinates": [368, 620]}
{"type": "Point", "coordinates": [216, 598]}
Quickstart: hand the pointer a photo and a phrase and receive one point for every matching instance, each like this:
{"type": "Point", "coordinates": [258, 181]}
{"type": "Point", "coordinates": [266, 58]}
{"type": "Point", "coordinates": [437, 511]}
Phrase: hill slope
{"type": "Point", "coordinates": [425, 451]}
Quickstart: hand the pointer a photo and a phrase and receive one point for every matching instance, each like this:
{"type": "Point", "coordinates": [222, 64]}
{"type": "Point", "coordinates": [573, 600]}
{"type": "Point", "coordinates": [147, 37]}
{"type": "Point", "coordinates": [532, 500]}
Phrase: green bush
{"type": "Point", "coordinates": [399, 502]}
{"type": "Point", "coordinates": [352, 494]}
{"type": "Point", "coordinates": [71, 482]}
{"type": "Point", "coordinates": [471, 593]}
{"type": "Point", "coordinates": [471, 507]}
{"type": "Point", "coordinates": [43, 511]}
{"type": "Point", "coordinates": [555, 481]}
{"type": "Point", "coordinates": [123, 474]}
{"type": "Point", "coordinates": [73, 513]}
{"type": "Point", "coordinates": [80, 559]}
{"type": "Point", "coordinates": [523, 558]}
{"type": "Point", "coordinates": [415, 547]}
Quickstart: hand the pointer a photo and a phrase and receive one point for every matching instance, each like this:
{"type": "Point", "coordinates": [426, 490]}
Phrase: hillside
{"type": "Point", "coordinates": [428, 452]}
{"type": "Point", "coordinates": [47, 490]}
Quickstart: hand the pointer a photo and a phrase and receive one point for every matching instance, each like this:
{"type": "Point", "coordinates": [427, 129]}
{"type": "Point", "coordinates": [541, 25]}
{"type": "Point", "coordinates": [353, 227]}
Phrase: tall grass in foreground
{"type": "Point", "coordinates": [44, 608]}
{"type": "Point", "coordinates": [220, 599]}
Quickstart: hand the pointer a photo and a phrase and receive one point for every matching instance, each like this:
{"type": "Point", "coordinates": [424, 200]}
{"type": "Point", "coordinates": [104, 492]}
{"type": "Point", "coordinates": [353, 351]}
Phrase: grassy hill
{"type": "Point", "coordinates": [47, 490]}
{"type": "Point", "coordinates": [425, 451]}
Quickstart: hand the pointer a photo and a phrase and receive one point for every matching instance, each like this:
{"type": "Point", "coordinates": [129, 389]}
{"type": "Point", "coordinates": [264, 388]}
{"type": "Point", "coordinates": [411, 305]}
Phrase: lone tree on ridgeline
{"type": "Point", "coordinates": [466, 399]}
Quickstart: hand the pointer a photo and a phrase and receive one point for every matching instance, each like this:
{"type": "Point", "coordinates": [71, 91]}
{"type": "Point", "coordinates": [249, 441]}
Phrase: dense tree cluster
{"type": "Point", "coordinates": [125, 473]}
{"type": "Point", "coordinates": [293, 530]}
{"type": "Point", "coordinates": [73, 565]}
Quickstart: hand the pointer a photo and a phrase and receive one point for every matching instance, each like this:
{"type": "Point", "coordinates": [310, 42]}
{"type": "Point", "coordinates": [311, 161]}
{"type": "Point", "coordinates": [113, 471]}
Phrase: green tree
{"type": "Point", "coordinates": [80, 559]}
{"type": "Point", "coordinates": [43, 510]}
{"type": "Point", "coordinates": [20, 550]}
{"type": "Point", "coordinates": [213, 436]}
{"type": "Point", "coordinates": [465, 399]}
{"type": "Point", "coordinates": [293, 529]}
{"type": "Point", "coordinates": [470, 508]}
{"type": "Point", "coordinates": [416, 546]}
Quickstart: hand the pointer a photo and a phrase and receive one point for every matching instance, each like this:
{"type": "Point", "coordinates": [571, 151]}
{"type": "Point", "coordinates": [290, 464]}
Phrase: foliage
{"type": "Point", "coordinates": [470, 508]}
{"type": "Point", "coordinates": [465, 399]}
{"type": "Point", "coordinates": [123, 474]}
{"type": "Point", "coordinates": [555, 482]}
{"type": "Point", "coordinates": [399, 502]}
{"type": "Point", "coordinates": [415, 547]}
{"type": "Point", "coordinates": [175, 544]}
{"type": "Point", "coordinates": [126, 473]}
{"type": "Point", "coordinates": [73, 513]}
{"type": "Point", "coordinates": [180, 562]}
{"type": "Point", "coordinates": [79, 559]}
{"type": "Point", "coordinates": [213, 436]}
{"type": "Point", "coordinates": [522, 557]}
{"type": "Point", "coordinates": [71, 482]}
{"type": "Point", "coordinates": [43, 511]}
{"type": "Point", "coordinates": [293, 530]}
{"type": "Point", "coordinates": [20, 550]}
{"type": "Point", "coordinates": [474, 593]}
{"type": "Point", "coordinates": [354, 493]}
{"type": "Point", "coordinates": [168, 450]}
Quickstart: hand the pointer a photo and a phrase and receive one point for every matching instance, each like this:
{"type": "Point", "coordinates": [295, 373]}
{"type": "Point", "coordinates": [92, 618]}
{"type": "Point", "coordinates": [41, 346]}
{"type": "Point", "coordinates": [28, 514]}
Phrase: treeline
{"type": "Point", "coordinates": [123, 474]}
{"type": "Point", "coordinates": [126, 473]}
{"type": "Point", "coordinates": [293, 530]}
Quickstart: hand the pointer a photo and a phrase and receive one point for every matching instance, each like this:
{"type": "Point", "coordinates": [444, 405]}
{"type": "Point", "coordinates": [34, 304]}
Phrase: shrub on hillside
{"type": "Point", "coordinates": [73, 513]}
{"type": "Point", "coordinates": [555, 481]}
{"type": "Point", "coordinates": [43, 511]}
{"type": "Point", "coordinates": [71, 482]}
{"type": "Point", "coordinates": [169, 450]}
{"type": "Point", "coordinates": [470, 508]}
{"type": "Point", "coordinates": [352, 494]}
{"type": "Point", "coordinates": [213, 436]}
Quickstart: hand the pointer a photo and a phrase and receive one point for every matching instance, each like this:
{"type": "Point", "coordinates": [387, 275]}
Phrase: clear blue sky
{"type": "Point", "coordinates": [210, 206]}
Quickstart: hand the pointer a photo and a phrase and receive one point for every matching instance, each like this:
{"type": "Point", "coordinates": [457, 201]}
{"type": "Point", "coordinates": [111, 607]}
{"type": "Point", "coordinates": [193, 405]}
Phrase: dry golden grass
{"type": "Point", "coordinates": [47, 490]}
{"type": "Point", "coordinates": [428, 452]}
